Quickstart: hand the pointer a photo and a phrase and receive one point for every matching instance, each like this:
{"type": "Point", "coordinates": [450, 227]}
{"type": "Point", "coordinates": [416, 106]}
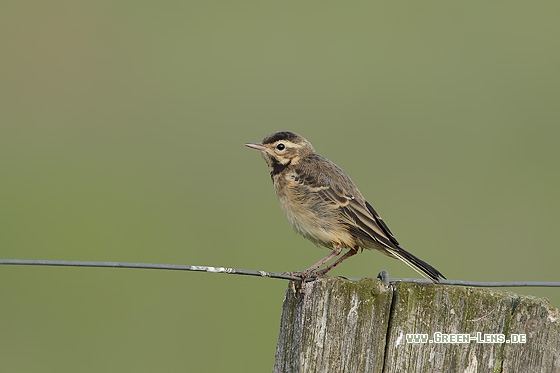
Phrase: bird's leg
{"type": "Point", "coordinates": [335, 252]}
{"type": "Point", "coordinates": [348, 254]}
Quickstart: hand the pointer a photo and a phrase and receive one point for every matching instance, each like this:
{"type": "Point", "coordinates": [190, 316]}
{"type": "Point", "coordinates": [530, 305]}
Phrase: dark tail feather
{"type": "Point", "coordinates": [416, 264]}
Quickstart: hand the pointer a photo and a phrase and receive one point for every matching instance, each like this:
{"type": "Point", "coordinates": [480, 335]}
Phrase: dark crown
{"type": "Point", "coordinates": [282, 135]}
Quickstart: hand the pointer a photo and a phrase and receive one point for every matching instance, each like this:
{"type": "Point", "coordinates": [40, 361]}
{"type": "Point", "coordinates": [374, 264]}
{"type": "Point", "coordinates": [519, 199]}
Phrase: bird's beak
{"type": "Point", "coordinates": [256, 146]}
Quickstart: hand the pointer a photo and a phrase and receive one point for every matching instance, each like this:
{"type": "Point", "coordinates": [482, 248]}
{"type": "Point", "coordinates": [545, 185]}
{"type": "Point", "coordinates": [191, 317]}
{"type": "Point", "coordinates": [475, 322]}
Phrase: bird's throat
{"type": "Point", "coordinates": [277, 167]}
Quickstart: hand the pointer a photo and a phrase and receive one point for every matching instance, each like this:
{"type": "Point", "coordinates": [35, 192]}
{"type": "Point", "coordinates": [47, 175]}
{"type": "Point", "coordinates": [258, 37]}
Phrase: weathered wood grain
{"type": "Point", "coordinates": [541, 323]}
{"type": "Point", "coordinates": [337, 325]}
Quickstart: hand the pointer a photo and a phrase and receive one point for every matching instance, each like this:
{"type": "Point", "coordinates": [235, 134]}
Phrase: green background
{"type": "Point", "coordinates": [122, 131]}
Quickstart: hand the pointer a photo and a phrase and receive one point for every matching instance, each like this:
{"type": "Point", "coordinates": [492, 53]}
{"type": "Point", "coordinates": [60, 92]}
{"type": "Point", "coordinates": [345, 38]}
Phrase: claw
{"type": "Point", "coordinates": [304, 275]}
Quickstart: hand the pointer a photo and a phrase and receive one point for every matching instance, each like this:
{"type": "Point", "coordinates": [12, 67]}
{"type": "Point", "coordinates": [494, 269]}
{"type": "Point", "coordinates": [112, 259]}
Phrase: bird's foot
{"type": "Point", "coordinates": [304, 275]}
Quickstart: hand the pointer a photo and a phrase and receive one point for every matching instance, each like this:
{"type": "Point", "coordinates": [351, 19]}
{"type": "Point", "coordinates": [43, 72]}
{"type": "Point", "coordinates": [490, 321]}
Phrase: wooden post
{"type": "Point", "coordinates": [338, 325]}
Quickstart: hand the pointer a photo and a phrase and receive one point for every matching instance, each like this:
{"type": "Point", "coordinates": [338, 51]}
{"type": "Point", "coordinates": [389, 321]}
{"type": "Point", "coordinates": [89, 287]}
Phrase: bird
{"type": "Point", "coordinates": [324, 206]}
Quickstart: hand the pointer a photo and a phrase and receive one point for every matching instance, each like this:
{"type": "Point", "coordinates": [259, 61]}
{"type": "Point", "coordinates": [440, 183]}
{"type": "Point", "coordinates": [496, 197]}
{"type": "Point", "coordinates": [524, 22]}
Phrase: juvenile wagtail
{"type": "Point", "coordinates": [324, 206]}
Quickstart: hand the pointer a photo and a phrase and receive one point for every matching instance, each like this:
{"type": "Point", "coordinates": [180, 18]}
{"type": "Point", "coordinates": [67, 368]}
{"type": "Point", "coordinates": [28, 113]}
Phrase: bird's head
{"type": "Point", "coordinates": [283, 148]}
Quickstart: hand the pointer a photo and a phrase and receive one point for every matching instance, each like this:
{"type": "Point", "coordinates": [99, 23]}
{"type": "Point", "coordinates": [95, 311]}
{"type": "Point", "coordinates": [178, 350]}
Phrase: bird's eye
{"type": "Point", "coordinates": [280, 146]}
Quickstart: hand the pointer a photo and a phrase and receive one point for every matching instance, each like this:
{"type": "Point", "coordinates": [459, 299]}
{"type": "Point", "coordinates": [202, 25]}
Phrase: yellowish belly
{"type": "Point", "coordinates": [324, 230]}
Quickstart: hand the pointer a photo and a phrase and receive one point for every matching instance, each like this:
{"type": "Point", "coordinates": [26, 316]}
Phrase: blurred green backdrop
{"type": "Point", "coordinates": [122, 131]}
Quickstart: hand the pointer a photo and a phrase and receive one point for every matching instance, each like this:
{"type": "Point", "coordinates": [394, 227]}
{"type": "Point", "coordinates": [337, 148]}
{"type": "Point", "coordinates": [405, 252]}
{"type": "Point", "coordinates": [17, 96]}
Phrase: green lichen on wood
{"type": "Point", "coordinates": [427, 309]}
{"type": "Point", "coordinates": [323, 327]}
{"type": "Point", "coordinates": [338, 325]}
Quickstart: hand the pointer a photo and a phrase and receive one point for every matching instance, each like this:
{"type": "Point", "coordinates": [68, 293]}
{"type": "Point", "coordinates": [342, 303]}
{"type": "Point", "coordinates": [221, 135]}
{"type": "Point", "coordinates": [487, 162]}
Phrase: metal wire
{"type": "Point", "coordinates": [383, 275]}
{"type": "Point", "coordinates": [170, 267]}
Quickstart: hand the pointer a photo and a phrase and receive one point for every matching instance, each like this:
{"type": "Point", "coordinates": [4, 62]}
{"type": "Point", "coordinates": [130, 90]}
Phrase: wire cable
{"type": "Point", "coordinates": [383, 275]}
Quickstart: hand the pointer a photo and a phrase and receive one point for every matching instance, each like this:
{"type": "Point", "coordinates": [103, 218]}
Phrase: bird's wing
{"type": "Point", "coordinates": [363, 220]}
{"type": "Point", "coordinates": [336, 188]}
